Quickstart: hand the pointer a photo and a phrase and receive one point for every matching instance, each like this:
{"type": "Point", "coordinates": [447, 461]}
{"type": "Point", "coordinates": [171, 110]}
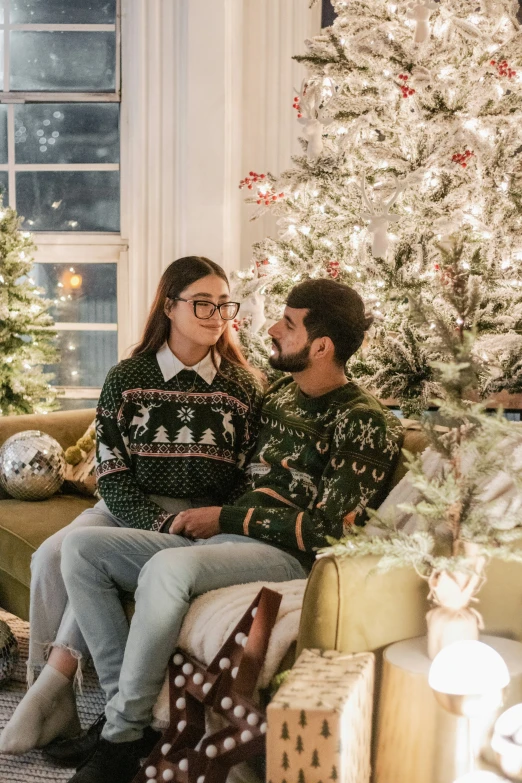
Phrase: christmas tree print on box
{"type": "Point", "coordinates": [327, 698]}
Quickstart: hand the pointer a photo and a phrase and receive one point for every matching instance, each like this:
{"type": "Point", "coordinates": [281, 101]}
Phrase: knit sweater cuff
{"type": "Point", "coordinates": [235, 519]}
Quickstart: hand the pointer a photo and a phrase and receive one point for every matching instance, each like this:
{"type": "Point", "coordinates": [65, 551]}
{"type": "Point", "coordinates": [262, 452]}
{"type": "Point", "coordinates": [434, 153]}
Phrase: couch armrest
{"type": "Point", "coordinates": [350, 607]}
{"type": "Point", "coordinates": [65, 426]}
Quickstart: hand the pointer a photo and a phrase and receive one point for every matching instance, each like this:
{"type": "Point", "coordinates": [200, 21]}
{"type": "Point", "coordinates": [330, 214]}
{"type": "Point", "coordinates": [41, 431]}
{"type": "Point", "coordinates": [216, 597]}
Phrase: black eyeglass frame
{"type": "Point", "coordinates": [218, 307]}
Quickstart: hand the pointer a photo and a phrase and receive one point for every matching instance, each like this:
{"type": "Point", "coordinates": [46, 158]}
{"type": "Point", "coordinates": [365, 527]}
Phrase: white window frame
{"type": "Point", "coordinates": [70, 247]}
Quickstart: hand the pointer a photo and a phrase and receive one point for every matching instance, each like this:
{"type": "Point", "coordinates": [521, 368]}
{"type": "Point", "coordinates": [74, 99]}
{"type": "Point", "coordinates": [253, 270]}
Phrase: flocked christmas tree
{"type": "Point", "coordinates": [410, 120]}
{"type": "Point", "coordinates": [26, 337]}
{"type": "Point", "coordinates": [461, 502]}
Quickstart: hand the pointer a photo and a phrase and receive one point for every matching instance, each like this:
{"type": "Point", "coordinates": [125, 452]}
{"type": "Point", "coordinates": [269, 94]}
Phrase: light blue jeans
{"type": "Point", "coordinates": [167, 572]}
{"type": "Point", "coordinates": [52, 620]}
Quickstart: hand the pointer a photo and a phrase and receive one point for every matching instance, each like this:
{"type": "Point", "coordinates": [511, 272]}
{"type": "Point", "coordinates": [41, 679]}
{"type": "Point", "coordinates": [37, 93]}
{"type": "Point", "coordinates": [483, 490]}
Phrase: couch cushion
{"type": "Point", "coordinates": [415, 441]}
{"type": "Point", "coordinates": [65, 426]}
{"type": "Point", "coordinates": [24, 526]}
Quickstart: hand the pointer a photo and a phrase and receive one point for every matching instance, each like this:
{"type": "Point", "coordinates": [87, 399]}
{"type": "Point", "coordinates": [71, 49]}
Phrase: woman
{"type": "Point", "coordinates": [175, 424]}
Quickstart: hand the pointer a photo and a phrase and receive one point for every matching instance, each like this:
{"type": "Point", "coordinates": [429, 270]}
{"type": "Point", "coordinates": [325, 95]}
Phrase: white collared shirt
{"type": "Point", "coordinates": [170, 365]}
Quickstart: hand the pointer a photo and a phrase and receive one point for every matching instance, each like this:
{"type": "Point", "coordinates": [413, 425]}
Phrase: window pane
{"type": "Point", "coordinates": [3, 133]}
{"type": "Point", "coordinates": [63, 11]}
{"type": "Point", "coordinates": [1, 59]}
{"type": "Point", "coordinates": [4, 187]}
{"type": "Point", "coordinates": [85, 358]}
{"type": "Point", "coordinates": [82, 293]}
{"type": "Point", "coordinates": [67, 133]}
{"type": "Point", "coordinates": [64, 62]}
{"type": "Point", "coordinates": [69, 200]}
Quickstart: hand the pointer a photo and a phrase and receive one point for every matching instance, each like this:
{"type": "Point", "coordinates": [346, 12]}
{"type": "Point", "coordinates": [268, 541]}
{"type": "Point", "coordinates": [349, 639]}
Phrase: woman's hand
{"type": "Point", "coordinates": [197, 522]}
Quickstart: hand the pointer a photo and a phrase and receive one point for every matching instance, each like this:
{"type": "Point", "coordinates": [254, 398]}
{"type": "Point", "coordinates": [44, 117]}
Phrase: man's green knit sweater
{"type": "Point", "coordinates": [319, 462]}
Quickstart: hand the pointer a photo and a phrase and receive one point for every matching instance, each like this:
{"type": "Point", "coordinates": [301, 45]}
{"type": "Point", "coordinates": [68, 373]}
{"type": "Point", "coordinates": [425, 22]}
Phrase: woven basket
{"type": "Point", "coordinates": [8, 651]}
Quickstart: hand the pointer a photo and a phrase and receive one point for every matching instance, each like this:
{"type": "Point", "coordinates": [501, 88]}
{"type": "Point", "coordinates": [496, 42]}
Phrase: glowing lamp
{"type": "Point", "coordinates": [76, 281]}
{"type": "Point", "coordinates": [468, 678]}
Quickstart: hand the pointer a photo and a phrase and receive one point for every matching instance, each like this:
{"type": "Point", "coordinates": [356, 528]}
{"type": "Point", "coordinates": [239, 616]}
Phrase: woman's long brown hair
{"type": "Point", "coordinates": [176, 277]}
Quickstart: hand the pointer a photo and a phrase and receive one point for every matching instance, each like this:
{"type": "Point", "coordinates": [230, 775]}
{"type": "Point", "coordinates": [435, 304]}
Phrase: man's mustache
{"type": "Point", "coordinates": [276, 344]}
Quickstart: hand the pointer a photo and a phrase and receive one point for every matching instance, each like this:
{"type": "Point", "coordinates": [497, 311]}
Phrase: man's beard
{"type": "Point", "coordinates": [291, 362]}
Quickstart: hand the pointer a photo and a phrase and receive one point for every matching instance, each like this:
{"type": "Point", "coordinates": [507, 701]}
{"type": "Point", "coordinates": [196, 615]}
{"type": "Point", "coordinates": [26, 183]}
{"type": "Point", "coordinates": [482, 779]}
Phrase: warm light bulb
{"type": "Point", "coordinates": [468, 668]}
{"type": "Point", "coordinates": [76, 281]}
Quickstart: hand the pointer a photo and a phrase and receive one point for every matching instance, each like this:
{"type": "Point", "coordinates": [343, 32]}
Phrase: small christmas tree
{"type": "Point", "coordinates": [411, 119]}
{"type": "Point", "coordinates": [26, 338]}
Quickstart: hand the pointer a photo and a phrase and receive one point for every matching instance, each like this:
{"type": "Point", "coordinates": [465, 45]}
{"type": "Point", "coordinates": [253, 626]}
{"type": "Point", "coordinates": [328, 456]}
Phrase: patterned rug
{"type": "Point", "coordinates": [32, 767]}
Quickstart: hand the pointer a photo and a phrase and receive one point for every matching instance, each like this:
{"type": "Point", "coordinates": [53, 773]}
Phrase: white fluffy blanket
{"type": "Point", "coordinates": [213, 616]}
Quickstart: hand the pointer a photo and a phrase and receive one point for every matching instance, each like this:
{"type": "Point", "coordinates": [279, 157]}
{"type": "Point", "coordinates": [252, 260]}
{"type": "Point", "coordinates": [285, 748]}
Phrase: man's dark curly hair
{"type": "Point", "coordinates": [334, 310]}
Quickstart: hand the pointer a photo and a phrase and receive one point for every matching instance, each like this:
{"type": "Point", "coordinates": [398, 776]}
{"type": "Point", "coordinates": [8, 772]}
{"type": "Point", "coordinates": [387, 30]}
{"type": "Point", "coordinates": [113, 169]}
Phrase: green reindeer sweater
{"type": "Point", "coordinates": [318, 464]}
{"type": "Point", "coordinates": [185, 437]}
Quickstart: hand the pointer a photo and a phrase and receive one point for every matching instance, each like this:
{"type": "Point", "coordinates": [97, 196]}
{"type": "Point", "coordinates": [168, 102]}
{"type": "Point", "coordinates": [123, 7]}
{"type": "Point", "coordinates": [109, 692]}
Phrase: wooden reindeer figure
{"type": "Point", "coordinates": [315, 117]}
{"type": "Point", "coordinates": [420, 14]}
{"type": "Point", "coordinates": [379, 221]}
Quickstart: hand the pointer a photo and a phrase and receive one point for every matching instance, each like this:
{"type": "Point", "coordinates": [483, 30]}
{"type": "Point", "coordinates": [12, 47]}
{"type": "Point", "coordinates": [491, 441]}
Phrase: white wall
{"type": "Point", "coordinates": [207, 96]}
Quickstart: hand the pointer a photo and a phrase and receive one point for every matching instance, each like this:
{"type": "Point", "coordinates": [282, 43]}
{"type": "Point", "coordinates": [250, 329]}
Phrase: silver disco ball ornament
{"type": "Point", "coordinates": [32, 466]}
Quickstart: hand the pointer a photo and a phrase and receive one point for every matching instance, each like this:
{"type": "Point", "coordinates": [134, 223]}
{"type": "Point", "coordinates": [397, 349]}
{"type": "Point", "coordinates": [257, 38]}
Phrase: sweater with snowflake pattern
{"type": "Point", "coordinates": [181, 438]}
{"type": "Point", "coordinates": [319, 462]}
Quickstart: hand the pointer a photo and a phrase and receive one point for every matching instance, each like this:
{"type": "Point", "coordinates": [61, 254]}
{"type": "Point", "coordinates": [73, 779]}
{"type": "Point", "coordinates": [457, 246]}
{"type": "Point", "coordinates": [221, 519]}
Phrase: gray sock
{"type": "Point", "coordinates": [47, 711]}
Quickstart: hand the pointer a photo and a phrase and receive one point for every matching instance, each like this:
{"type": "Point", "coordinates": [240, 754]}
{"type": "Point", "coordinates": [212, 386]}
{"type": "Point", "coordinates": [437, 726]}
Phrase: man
{"type": "Point", "coordinates": [326, 449]}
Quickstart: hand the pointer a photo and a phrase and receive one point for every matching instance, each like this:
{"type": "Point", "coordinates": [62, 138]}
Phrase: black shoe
{"type": "Point", "coordinates": [75, 751]}
{"type": "Point", "coordinates": [111, 762]}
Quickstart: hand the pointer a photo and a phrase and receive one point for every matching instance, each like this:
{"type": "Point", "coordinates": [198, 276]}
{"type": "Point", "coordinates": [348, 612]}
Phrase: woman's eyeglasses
{"type": "Point", "coordinates": [204, 309]}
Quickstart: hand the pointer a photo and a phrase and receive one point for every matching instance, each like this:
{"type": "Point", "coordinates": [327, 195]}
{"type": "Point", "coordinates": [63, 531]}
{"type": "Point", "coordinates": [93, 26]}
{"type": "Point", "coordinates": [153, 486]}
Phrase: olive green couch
{"type": "Point", "coordinates": [348, 606]}
{"type": "Point", "coordinates": [24, 525]}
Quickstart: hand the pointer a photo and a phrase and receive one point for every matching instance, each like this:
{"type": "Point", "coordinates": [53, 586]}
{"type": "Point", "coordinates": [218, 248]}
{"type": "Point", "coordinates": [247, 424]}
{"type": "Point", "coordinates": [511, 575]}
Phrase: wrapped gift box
{"type": "Point", "coordinates": [320, 720]}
